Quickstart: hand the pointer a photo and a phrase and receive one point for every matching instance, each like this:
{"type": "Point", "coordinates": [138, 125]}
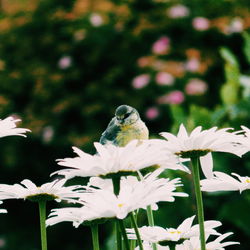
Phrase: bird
{"type": "Point", "coordinates": [125, 126]}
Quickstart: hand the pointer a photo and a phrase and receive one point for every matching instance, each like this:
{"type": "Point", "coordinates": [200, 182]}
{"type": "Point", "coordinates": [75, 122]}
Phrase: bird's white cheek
{"type": "Point", "coordinates": [133, 118]}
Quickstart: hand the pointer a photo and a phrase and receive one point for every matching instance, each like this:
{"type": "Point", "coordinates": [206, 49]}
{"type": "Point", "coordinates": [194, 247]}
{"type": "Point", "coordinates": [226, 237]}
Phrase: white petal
{"type": "Point", "coordinates": [207, 165]}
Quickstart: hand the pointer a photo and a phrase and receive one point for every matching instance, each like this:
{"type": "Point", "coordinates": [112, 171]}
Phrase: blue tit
{"type": "Point", "coordinates": [124, 127]}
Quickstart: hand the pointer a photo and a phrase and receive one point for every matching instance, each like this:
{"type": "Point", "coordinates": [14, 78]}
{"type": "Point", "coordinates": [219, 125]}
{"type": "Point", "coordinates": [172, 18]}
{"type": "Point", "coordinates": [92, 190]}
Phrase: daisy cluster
{"type": "Point", "coordinates": [185, 236]}
{"type": "Point", "coordinates": [125, 181]}
{"type": "Point", "coordinates": [124, 164]}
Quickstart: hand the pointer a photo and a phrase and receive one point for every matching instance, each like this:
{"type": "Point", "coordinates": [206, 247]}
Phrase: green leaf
{"type": "Point", "coordinates": [246, 47]}
{"type": "Point", "coordinates": [237, 212]}
{"type": "Point", "coordinates": [229, 94]}
{"type": "Point", "coordinates": [179, 116]}
{"type": "Point", "coordinates": [228, 56]}
{"type": "Point", "coordinates": [199, 116]}
{"type": "Point", "coordinates": [230, 90]}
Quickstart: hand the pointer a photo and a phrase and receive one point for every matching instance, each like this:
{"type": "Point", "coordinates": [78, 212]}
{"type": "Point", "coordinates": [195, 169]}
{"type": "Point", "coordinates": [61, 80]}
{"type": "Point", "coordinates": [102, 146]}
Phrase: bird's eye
{"type": "Point", "coordinates": [126, 115]}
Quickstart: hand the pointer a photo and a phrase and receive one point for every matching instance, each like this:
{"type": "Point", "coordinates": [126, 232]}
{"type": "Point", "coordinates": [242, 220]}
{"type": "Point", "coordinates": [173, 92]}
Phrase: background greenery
{"type": "Point", "coordinates": [66, 65]}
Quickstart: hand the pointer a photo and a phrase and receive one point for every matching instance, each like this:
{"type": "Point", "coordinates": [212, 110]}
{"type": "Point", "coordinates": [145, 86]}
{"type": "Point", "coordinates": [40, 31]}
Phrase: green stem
{"type": "Point", "coordinates": [199, 203]}
{"type": "Point", "coordinates": [116, 185]}
{"type": "Point", "coordinates": [133, 242]}
{"type": "Point", "coordinates": [118, 236]}
{"type": "Point", "coordinates": [116, 188]}
{"type": "Point", "coordinates": [150, 216]}
{"type": "Point", "coordinates": [95, 238]}
{"type": "Point", "coordinates": [124, 235]}
{"type": "Point", "coordinates": [132, 217]}
{"type": "Point", "coordinates": [151, 222]}
{"type": "Point", "coordinates": [42, 213]}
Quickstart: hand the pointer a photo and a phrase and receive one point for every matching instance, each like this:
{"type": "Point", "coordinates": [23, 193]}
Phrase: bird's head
{"type": "Point", "coordinates": [126, 115]}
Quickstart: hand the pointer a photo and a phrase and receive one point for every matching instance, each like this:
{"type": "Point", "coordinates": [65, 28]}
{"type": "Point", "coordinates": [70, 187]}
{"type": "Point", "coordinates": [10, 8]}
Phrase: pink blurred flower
{"type": "Point", "coordinates": [201, 23]}
{"type": "Point", "coordinates": [161, 46]}
{"type": "Point", "coordinates": [196, 86]}
{"type": "Point", "coordinates": [164, 78]}
{"type": "Point", "coordinates": [96, 20]}
{"type": "Point", "coordinates": [192, 65]}
{"type": "Point", "coordinates": [140, 81]}
{"type": "Point", "coordinates": [65, 62]}
{"type": "Point", "coordinates": [236, 25]}
{"type": "Point", "coordinates": [48, 133]}
{"type": "Point", "coordinates": [174, 97]}
{"type": "Point", "coordinates": [152, 113]}
{"type": "Point", "coordinates": [178, 11]}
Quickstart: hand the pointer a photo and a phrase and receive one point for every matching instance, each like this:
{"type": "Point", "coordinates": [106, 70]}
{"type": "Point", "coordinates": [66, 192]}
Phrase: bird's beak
{"type": "Point", "coordinates": [120, 120]}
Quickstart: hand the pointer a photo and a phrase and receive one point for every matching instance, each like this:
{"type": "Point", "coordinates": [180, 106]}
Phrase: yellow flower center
{"type": "Point", "coordinates": [120, 205]}
{"type": "Point", "coordinates": [247, 180]}
{"type": "Point", "coordinates": [175, 232]}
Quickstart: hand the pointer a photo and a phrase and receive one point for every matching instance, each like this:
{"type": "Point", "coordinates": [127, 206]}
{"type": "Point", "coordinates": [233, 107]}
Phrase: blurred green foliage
{"type": "Point", "coordinates": [64, 71]}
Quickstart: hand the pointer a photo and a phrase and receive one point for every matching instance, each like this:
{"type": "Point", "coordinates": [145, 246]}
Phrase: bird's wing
{"type": "Point", "coordinates": [110, 134]}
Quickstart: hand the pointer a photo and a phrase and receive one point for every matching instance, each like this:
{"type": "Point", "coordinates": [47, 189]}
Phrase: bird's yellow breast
{"type": "Point", "coordinates": [134, 131]}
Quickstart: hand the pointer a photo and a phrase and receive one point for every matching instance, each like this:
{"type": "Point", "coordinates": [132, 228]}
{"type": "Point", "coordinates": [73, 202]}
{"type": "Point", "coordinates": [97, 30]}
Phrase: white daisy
{"type": "Point", "coordinates": [199, 142]}
{"type": "Point", "coordinates": [184, 231]}
{"type": "Point", "coordinates": [107, 184]}
{"type": "Point", "coordinates": [8, 127]}
{"type": "Point", "coordinates": [49, 191]}
{"type": "Point", "coordinates": [133, 195]}
{"type": "Point", "coordinates": [224, 182]}
{"type": "Point", "coordinates": [167, 159]}
{"type": "Point", "coordinates": [194, 243]}
{"type": "Point", "coordinates": [76, 215]}
{"type": "Point", "coordinates": [246, 138]}
{"type": "Point", "coordinates": [246, 131]}
{"type": "Point", "coordinates": [101, 202]}
{"type": "Point", "coordinates": [111, 160]}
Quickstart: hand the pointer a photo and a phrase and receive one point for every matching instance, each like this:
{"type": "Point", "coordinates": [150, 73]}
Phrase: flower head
{"type": "Point", "coordinates": [223, 182]}
{"type": "Point", "coordinates": [194, 243]}
{"type": "Point", "coordinates": [246, 139]}
{"type": "Point", "coordinates": [49, 191]}
{"type": "Point", "coordinates": [112, 159]}
{"type": "Point", "coordinates": [184, 231]}
{"type": "Point", "coordinates": [65, 62]}
{"type": "Point", "coordinates": [173, 97]}
{"type": "Point", "coordinates": [161, 46]}
{"type": "Point", "coordinates": [192, 65]}
{"type": "Point", "coordinates": [141, 81]}
{"type": "Point", "coordinates": [196, 87]}
{"type": "Point", "coordinates": [200, 142]}
{"type": "Point", "coordinates": [236, 26]}
{"type": "Point", "coordinates": [76, 215]}
{"type": "Point", "coordinates": [201, 23]}
{"type": "Point", "coordinates": [8, 127]}
{"type": "Point", "coordinates": [100, 202]}
{"type": "Point", "coordinates": [164, 78]}
{"type": "Point", "coordinates": [152, 113]}
{"type": "Point", "coordinates": [178, 11]}
{"type": "Point", "coordinates": [96, 20]}
{"type": "Point", "coordinates": [133, 194]}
